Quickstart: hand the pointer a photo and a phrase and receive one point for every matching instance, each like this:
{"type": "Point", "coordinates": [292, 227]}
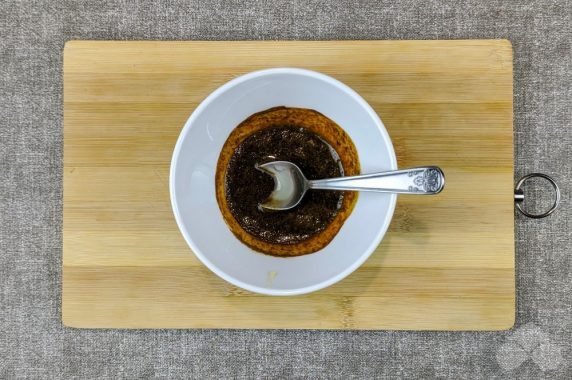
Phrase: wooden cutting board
{"type": "Point", "coordinates": [447, 262]}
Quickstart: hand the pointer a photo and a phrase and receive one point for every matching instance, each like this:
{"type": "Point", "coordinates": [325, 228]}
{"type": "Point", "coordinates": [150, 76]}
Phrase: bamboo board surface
{"type": "Point", "coordinates": [446, 263]}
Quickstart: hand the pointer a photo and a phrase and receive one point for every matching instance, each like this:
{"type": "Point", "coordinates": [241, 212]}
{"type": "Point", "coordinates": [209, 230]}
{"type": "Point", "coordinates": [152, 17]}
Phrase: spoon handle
{"type": "Point", "coordinates": [424, 180]}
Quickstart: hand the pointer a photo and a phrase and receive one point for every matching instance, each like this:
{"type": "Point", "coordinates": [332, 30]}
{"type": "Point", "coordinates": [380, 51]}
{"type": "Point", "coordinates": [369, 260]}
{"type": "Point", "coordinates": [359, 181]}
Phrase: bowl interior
{"type": "Point", "coordinates": [193, 170]}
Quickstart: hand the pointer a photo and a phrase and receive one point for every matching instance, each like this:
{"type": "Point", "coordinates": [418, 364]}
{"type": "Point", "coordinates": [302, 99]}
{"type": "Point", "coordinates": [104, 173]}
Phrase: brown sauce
{"type": "Point", "coordinates": [310, 140]}
{"type": "Point", "coordinates": [247, 187]}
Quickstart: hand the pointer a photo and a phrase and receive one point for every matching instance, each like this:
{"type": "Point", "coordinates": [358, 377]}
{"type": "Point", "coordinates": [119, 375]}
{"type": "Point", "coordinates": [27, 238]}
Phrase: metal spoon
{"type": "Point", "coordinates": [290, 184]}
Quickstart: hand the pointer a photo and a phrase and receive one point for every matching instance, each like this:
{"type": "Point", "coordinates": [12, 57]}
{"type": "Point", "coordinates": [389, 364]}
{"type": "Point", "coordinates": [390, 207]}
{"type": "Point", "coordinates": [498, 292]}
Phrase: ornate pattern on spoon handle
{"type": "Point", "coordinates": [428, 180]}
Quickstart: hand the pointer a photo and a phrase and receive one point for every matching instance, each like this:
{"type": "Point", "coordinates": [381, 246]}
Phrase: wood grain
{"type": "Point", "coordinates": [447, 263]}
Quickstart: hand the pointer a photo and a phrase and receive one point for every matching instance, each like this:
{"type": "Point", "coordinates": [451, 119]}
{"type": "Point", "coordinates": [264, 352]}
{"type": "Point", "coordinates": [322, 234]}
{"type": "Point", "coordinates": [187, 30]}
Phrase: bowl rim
{"type": "Point", "coordinates": [187, 127]}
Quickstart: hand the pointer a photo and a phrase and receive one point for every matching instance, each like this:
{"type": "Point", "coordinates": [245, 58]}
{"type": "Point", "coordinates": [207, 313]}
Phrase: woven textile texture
{"type": "Point", "coordinates": [33, 342]}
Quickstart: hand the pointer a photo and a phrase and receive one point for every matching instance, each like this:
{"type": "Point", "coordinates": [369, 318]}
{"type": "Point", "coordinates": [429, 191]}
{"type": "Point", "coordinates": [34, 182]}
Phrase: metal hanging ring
{"type": "Point", "coordinates": [519, 195]}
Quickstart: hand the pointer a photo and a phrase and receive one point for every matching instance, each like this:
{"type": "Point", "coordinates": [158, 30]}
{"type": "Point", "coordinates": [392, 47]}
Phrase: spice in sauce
{"type": "Point", "coordinates": [247, 187]}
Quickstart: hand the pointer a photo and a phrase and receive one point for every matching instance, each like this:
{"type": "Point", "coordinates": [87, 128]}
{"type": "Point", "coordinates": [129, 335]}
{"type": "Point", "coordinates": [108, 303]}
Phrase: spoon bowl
{"type": "Point", "coordinates": [290, 185]}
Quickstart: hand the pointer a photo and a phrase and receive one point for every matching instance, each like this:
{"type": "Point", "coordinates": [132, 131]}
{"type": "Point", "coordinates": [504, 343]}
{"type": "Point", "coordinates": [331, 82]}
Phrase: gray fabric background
{"type": "Point", "coordinates": [33, 342]}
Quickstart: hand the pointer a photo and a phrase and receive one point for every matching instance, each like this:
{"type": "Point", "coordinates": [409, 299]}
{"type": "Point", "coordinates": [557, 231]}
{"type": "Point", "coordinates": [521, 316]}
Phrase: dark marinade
{"type": "Point", "coordinates": [246, 186]}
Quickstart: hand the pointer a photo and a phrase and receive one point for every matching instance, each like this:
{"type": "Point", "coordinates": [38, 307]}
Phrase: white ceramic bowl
{"type": "Point", "coordinates": [192, 181]}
